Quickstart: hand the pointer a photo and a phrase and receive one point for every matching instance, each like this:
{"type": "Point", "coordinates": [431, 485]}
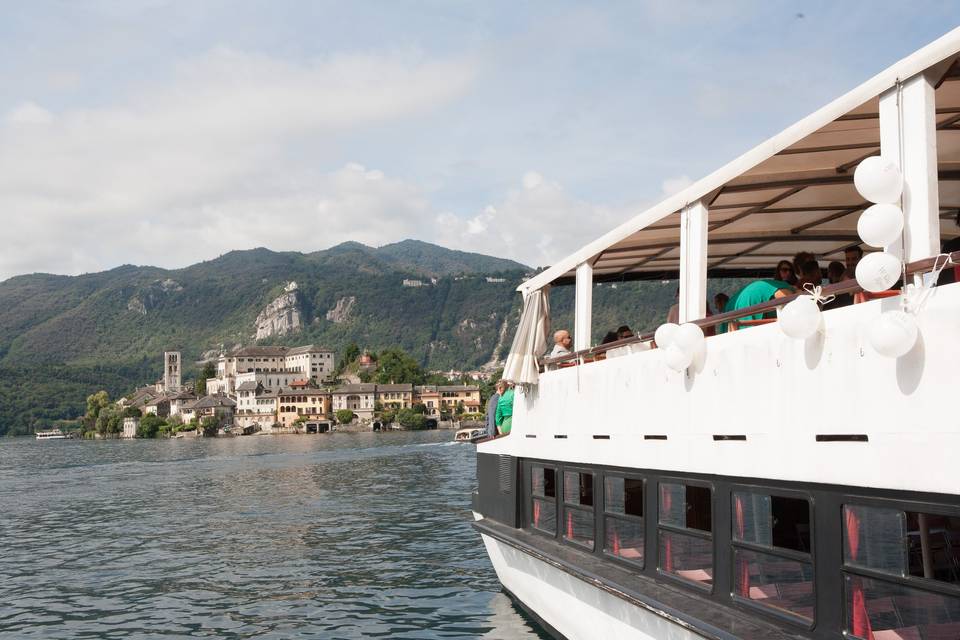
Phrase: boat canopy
{"type": "Point", "coordinates": [793, 192]}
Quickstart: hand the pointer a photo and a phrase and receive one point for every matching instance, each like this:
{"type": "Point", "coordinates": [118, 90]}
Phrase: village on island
{"type": "Point", "coordinates": [280, 390]}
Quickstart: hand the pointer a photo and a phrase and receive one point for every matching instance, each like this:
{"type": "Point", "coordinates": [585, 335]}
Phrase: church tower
{"type": "Point", "coordinates": [171, 371]}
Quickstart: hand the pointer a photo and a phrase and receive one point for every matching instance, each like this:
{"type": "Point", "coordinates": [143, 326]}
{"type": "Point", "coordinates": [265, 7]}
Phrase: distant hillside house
{"type": "Point", "coordinates": [413, 283]}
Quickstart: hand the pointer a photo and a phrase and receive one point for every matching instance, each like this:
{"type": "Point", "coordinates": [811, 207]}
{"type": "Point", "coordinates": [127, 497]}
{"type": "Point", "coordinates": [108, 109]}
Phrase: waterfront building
{"type": "Point", "coordinates": [256, 406]}
{"type": "Point", "coordinates": [395, 396]}
{"type": "Point", "coordinates": [310, 405]}
{"type": "Point", "coordinates": [221, 407]}
{"type": "Point", "coordinates": [157, 406]}
{"type": "Point", "coordinates": [359, 398]}
{"type": "Point", "coordinates": [177, 400]}
{"type": "Point", "coordinates": [445, 398]}
{"type": "Point", "coordinates": [130, 425]}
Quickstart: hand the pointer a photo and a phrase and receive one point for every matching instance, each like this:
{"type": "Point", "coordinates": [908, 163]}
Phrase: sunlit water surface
{"type": "Point", "coordinates": [326, 536]}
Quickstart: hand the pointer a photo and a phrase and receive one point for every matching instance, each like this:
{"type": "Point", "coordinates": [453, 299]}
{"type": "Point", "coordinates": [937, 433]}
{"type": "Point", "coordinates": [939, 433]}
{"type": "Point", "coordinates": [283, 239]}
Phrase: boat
{"type": "Point", "coordinates": [470, 434]}
{"type": "Point", "coordinates": [52, 434]}
{"type": "Point", "coordinates": [793, 475]}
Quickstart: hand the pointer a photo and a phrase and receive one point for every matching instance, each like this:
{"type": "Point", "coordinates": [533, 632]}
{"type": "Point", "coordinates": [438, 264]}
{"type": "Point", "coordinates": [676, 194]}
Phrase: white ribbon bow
{"type": "Point", "coordinates": [816, 292]}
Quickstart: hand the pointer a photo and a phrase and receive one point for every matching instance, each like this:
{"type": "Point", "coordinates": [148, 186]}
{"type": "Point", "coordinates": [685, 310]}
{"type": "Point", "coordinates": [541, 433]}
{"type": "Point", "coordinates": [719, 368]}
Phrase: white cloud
{"type": "Point", "coordinates": [29, 113]}
{"type": "Point", "coordinates": [205, 161]}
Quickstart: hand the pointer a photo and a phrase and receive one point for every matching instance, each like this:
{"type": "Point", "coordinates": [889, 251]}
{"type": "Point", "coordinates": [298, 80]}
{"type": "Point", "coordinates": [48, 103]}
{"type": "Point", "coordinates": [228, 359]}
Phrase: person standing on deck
{"type": "Point", "coordinates": [492, 410]}
{"type": "Point", "coordinates": [754, 293]}
{"type": "Point", "coordinates": [561, 343]}
{"type": "Point", "coordinates": [505, 409]}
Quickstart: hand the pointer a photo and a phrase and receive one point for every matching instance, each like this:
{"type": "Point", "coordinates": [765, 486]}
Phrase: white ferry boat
{"type": "Point", "coordinates": [794, 479]}
{"type": "Point", "coordinates": [52, 434]}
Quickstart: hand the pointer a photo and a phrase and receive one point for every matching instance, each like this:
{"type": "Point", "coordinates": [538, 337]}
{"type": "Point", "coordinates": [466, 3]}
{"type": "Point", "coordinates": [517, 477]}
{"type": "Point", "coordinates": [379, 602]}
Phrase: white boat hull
{"type": "Point", "coordinates": [572, 607]}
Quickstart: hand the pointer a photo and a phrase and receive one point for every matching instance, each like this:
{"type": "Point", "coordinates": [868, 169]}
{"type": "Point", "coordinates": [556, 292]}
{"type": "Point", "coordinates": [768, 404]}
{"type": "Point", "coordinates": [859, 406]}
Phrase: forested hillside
{"type": "Point", "coordinates": [62, 338]}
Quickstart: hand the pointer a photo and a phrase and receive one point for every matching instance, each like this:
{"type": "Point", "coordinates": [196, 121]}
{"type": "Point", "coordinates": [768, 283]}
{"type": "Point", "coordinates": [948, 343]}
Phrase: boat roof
{"type": "Point", "coordinates": [793, 192]}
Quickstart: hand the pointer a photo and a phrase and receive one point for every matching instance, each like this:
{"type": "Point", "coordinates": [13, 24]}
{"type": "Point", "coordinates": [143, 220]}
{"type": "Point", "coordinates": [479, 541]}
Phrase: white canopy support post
{"type": "Point", "coordinates": [582, 326]}
{"type": "Point", "coordinates": [693, 262]}
{"type": "Point", "coordinates": [908, 135]}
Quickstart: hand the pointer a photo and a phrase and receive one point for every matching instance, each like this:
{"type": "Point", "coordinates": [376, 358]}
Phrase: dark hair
{"type": "Point", "coordinates": [610, 337]}
{"type": "Point", "coordinates": [811, 269]}
{"type": "Point", "coordinates": [836, 270]}
{"type": "Point", "coordinates": [623, 328]}
{"type": "Point", "coordinates": [856, 248]}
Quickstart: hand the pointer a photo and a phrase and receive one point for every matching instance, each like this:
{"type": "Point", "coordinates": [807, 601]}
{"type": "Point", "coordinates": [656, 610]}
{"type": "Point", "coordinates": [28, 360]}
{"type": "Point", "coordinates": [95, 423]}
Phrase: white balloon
{"type": "Point", "coordinates": [893, 334]}
{"type": "Point", "coordinates": [800, 319]}
{"type": "Point", "coordinates": [880, 224]}
{"type": "Point", "coordinates": [689, 337]}
{"type": "Point", "coordinates": [878, 271]}
{"type": "Point", "coordinates": [664, 334]}
{"type": "Point", "coordinates": [676, 358]}
{"type": "Point", "coordinates": [878, 179]}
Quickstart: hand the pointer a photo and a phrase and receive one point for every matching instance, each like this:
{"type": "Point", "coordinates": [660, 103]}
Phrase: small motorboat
{"type": "Point", "coordinates": [52, 434]}
{"type": "Point", "coordinates": [470, 435]}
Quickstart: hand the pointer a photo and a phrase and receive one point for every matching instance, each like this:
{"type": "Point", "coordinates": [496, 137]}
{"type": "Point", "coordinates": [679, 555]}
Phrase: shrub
{"type": "Point", "coordinates": [411, 419]}
{"type": "Point", "coordinates": [345, 416]}
{"type": "Point", "coordinates": [149, 426]}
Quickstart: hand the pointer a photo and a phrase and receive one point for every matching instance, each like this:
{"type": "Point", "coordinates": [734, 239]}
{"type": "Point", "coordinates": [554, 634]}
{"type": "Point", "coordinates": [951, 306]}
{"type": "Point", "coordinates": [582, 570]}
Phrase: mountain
{"type": "Point", "coordinates": [64, 337]}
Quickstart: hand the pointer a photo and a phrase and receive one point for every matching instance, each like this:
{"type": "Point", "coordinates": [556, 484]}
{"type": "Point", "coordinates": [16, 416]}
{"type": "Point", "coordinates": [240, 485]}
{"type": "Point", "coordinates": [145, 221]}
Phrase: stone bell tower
{"type": "Point", "coordinates": [171, 371]}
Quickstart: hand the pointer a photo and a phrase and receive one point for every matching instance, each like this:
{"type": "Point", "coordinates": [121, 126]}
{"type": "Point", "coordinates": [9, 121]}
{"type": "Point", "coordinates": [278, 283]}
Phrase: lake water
{"type": "Point", "coordinates": [326, 536]}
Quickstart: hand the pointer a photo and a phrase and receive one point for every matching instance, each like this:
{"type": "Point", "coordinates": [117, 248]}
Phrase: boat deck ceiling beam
{"type": "Point", "coordinates": [795, 191]}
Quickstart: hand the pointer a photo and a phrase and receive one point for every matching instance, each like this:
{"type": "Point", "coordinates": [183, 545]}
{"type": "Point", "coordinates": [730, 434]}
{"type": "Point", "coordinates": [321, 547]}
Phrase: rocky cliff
{"type": "Point", "coordinates": [281, 316]}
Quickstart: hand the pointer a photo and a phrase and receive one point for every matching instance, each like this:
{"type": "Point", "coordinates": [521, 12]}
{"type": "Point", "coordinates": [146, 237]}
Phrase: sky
{"type": "Point", "coordinates": [166, 133]}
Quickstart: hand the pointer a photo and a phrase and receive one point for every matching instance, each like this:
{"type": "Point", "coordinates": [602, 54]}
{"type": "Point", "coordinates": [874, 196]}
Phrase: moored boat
{"type": "Point", "coordinates": [51, 434]}
{"type": "Point", "coordinates": [782, 478]}
{"type": "Point", "coordinates": [470, 434]}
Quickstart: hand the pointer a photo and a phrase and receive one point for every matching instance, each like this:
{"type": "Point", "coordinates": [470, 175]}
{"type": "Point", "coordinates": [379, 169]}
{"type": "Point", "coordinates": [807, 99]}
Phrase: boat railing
{"type": "Point", "coordinates": [846, 287]}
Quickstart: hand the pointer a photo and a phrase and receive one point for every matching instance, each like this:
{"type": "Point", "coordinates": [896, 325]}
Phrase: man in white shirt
{"type": "Point", "coordinates": [561, 343]}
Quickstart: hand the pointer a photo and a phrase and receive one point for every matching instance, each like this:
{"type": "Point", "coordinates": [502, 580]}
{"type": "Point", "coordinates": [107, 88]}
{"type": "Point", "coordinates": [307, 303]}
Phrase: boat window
{"type": "Point", "coordinates": [623, 518]}
{"type": "Point", "coordinates": [902, 572]}
{"type": "Point", "coordinates": [772, 565]}
{"type": "Point", "coordinates": [578, 508]}
{"type": "Point", "coordinates": [685, 532]}
{"type": "Point", "coordinates": [543, 502]}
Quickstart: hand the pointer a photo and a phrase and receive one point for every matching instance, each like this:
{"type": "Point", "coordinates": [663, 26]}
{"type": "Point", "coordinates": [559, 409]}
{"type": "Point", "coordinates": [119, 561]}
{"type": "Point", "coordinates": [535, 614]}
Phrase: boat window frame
{"type": "Point", "coordinates": [685, 531]}
{"type": "Point", "coordinates": [909, 581]}
{"type": "Point", "coordinates": [595, 472]}
{"type": "Point", "coordinates": [641, 520]}
{"type": "Point", "coordinates": [530, 496]}
{"type": "Point", "coordinates": [787, 554]}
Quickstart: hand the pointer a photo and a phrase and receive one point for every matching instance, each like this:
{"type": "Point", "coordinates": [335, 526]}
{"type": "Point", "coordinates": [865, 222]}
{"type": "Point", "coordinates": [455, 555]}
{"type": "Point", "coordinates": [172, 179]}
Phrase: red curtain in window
{"type": "Point", "coordinates": [859, 619]}
{"type": "Point", "coordinates": [743, 567]}
{"type": "Point", "coordinates": [666, 500]}
{"type": "Point", "coordinates": [569, 525]}
{"type": "Point", "coordinates": [616, 539]}
{"type": "Point", "coordinates": [536, 513]}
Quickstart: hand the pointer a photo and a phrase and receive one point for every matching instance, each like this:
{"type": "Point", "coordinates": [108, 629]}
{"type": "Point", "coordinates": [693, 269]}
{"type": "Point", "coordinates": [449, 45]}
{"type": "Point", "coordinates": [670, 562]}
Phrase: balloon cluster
{"type": "Point", "coordinates": [879, 180]}
{"type": "Point", "coordinates": [680, 344]}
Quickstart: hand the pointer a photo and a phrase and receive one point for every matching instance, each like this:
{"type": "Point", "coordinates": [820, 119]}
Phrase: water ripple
{"type": "Point", "coordinates": [332, 536]}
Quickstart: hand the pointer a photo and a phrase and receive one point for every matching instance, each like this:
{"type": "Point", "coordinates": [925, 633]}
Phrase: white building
{"type": "Point", "coordinates": [256, 406]}
{"type": "Point", "coordinates": [308, 362]}
{"type": "Point", "coordinates": [359, 398]}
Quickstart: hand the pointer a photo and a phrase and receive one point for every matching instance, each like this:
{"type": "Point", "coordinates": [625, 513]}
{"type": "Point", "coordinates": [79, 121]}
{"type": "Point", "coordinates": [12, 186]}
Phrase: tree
{"type": "Point", "coordinates": [345, 416]}
{"type": "Point", "coordinates": [209, 371]}
{"type": "Point", "coordinates": [132, 412]}
{"type": "Point", "coordinates": [395, 366]}
{"type": "Point", "coordinates": [95, 404]}
{"type": "Point", "coordinates": [109, 421]}
{"type": "Point", "coordinates": [351, 353]}
{"type": "Point", "coordinates": [149, 426]}
{"type": "Point", "coordinates": [410, 419]}
{"type": "Point", "coordinates": [210, 426]}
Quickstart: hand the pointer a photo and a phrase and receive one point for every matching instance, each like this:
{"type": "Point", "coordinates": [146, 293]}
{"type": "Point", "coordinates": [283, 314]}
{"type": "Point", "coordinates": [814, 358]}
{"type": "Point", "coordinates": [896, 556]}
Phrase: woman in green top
{"type": "Point", "coordinates": [504, 416]}
{"type": "Point", "coordinates": [755, 293]}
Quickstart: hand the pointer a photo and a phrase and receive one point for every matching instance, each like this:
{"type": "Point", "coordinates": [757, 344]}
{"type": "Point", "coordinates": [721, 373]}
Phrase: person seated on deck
{"type": "Point", "coordinates": [837, 272]}
{"type": "Point", "coordinates": [561, 343]}
{"type": "Point", "coordinates": [851, 257]}
{"type": "Point", "coordinates": [720, 302]}
{"type": "Point", "coordinates": [504, 415]}
{"type": "Point", "coordinates": [754, 293]}
{"type": "Point", "coordinates": [785, 272]}
{"type": "Point", "coordinates": [610, 337]}
{"type": "Point", "coordinates": [800, 259]}
{"type": "Point", "coordinates": [810, 273]}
